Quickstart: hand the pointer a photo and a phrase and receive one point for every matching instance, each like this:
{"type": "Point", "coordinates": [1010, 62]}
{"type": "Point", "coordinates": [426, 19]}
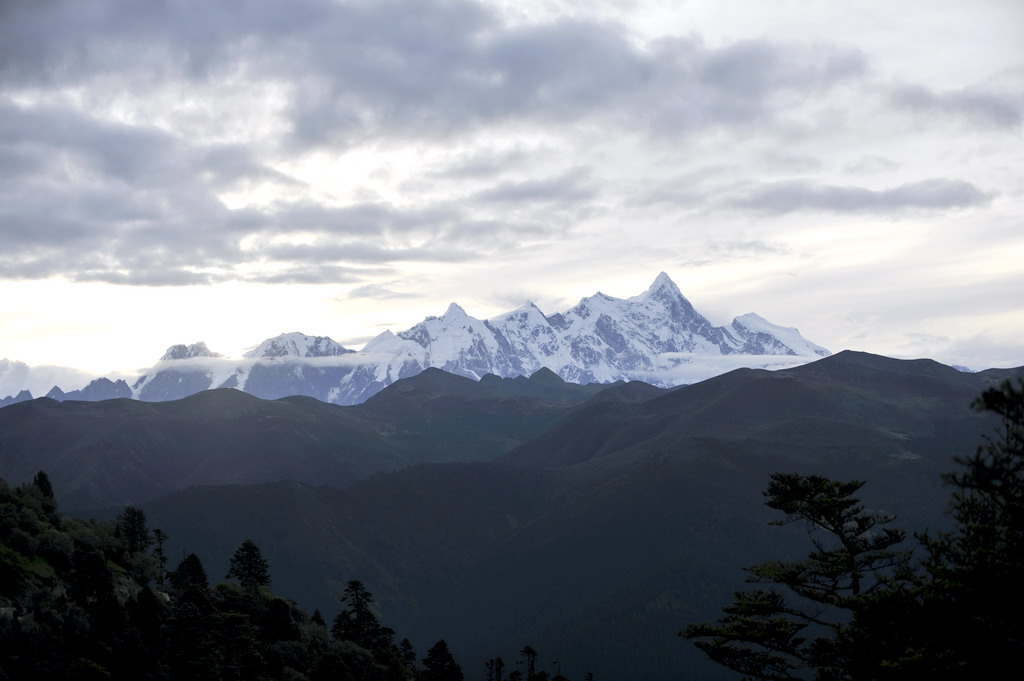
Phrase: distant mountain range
{"type": "Point", "coordinates": [590, 522]}
{"type": "Point", "coordinates": [657, 337]}
{"type": "Point", "coordinates": [124, 451]}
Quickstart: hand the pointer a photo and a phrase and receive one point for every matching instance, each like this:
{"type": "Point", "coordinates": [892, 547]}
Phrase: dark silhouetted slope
{"type": "Point", "coordinates": [125, 452]}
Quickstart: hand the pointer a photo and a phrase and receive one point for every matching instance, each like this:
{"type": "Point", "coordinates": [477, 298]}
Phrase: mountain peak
{"type": "Point", "coordinates": [656, 336]}
{"type": "Point", "coordinates": [660, 281]}
{"type": "Point", "coordinates": [182, 351]}
{"type": "Point", "coordinates": [546, 375]}
{"type": "Point", "coordinates": [663, 284]}
{"type": "Point", "coordinates": [528, 309]}
{"type": "Point", "coordinates": [454, 310]}
{"type": "Point", "coordinates": [296, 344]}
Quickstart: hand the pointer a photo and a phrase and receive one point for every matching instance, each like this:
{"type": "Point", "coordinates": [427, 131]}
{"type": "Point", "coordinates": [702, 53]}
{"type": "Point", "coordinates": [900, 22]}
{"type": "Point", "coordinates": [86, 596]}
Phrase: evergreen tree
{"type": "Point", "coordinates": [767, 634]}
{"type": "Point", "coordinates": [961, 619]}
{"type": "Point", "coordinates": [495, 669]}
{"type": "Point", "coordinates": [530, 656]}
{"type": "Point", "coordinates": [193, 650]}
{"type": "Point", "coordinates": [159, 537]}
{"type": "Point", "coordinates": [42, 481]}
{"type": "Point", "coordinates": [249, 567]}
{"type": "Point", "coordinates": [131, 526]}
{"type": "Point", "coordinates": [84, 611]}
{"type": "Point", "coordinates": [357, 622]}
{"type": "Point", "coordinates": [408, 654]}
{"type": "Point", "coordinates": [439, 665]}
{"type": "Point", "coordinates": [189, 572]}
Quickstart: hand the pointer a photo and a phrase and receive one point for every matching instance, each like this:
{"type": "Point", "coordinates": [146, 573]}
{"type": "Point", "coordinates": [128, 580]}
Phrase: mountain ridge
{"type": "Point", "coordinates": [640, 514]}
{"type": "Point", "coordinates": [125, 451]}
{"type": "Point", "coordinates": [657, 337]}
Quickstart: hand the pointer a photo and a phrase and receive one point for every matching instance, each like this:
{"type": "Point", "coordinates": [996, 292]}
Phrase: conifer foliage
{"type": "Point", "coordinates": [249, 567]}
{"type": "Point", "coordinates": [439, 665]}
{"type": "Point", "coordinates": [790, 629]}
{"type": "Point", "coordinates": [954, 616]}
{"type": "Point", "coordinates": [961, 617]}
{"type": "Point", "coordinates": [88, 600]}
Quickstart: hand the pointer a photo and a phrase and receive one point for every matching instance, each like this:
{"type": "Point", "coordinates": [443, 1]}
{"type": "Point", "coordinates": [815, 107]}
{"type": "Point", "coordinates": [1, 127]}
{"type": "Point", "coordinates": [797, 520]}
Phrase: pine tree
{"type": "Point", "coordinates": [495, 669]}
{"type": "Point", "coordinates": [961, 619]}
{"type": "Point", "coordinates": [249, 567]}
{"type": "Point", "coordinates": [767, 634]}
{"type": "Point", "coordinates": [159, 538]}
{"type": "Point", "coordinates": [530, 656]}
{"type": "Point", "coordinates": [42, 481]}
{"type": "Point", "coordinates": [131, 525]}
{"type": "Point", "coordinates": [189, 572]}
{"type": "Point", "coordinates": [408, 655]}
{"type": "Point", "coordinates": [357, 622]}
{"type": "Point", "coordinates": [439, 665]}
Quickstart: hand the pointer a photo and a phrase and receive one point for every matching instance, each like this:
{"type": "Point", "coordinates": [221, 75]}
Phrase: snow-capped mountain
{"type": "Point", "coordinates": [657, 336]}
{"type": "Point", "coordinates": [182, 351]}
{"type": "Point", "coordinates": [298, 345]}
{"type": "Point", "coordinates": [601, 339]}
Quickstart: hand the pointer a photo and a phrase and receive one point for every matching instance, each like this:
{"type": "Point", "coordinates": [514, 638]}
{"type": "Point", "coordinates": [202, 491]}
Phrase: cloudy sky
{"type": "Point", "coordinates": [183, 170]}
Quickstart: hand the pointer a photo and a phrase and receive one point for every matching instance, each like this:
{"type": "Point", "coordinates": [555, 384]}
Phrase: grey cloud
{"type": "Point", "coordinates": [380, 292]}
{"type": "Point", "coordinates": [99, 201]}
{"type": "Point", "coordinates": [47, 137]}
{"type": "Point", "coordinates": [409, 67]}
{"type": "Point", "coordinates": [485, 164]}
{"type": "Point", "coordinates": [682, 190]}
{"type": "Point", "coordinates": [737, 85]}
{"type": "Point", "coordinates": [143, 277]}
{"type": "Point", "coordinates": [788, 161]}
{"type": "Point", "coordinates": [975, 105]}
{"type": "Point", "coordinates": [718, 251]}
{"type": "Point", "coordinates": [788, 197]}
{"type": "Point", "coordinates": [364, 253]}
{"type": "Point", "coordinates": [870, 164]}
{"type": "Point", "coordinates": [742, 247]}
{"type": "Point", "coordinates": [758, 68]}
{"type": "Point", "coordinates": [311, 274]}
{"type": "Point", "coordinates": [566, 188]}
{"type": "Point", "coordinates": [134, 204]}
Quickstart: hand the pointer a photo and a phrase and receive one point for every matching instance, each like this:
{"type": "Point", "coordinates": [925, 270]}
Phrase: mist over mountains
{"type": "Point", "coordinates": [657, 337]}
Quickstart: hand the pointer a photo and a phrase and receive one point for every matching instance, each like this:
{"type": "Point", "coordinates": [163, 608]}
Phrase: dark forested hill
{"type": "Point", "coordinates": [126, 452]}
{"type": "Point", "coordinates": [588, 524]}
{"type": "Point", "coordinates": [595, 541]}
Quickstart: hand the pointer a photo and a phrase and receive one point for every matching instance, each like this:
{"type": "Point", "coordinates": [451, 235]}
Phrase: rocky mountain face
{"type": "Point", "coordinates": [22, 396]}
{"type": "Point", "coordinates": [100, 389]}
{"type": "Point", "coordinates": [657, 337]}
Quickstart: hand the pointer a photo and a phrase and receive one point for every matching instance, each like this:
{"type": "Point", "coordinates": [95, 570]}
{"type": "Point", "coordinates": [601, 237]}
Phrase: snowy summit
{"type": "Point", "coordinates": [657, 337]}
